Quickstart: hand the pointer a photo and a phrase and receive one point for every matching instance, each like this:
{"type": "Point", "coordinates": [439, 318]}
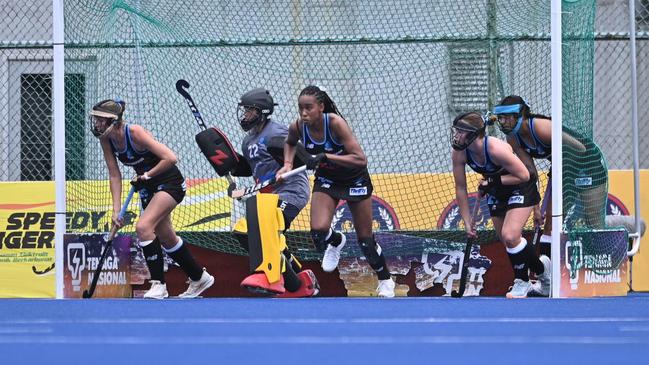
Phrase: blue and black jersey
{"type": "Point", "coordinates": [539, 149]}
{"type": "Point", "coordinates": [505, 192]}
{"type": "Point", "coordinates": [489, 168]}
{"type": "Point", "coordinates": [143, 161]}
{"type": "Point", "coordinates": [330, 171]}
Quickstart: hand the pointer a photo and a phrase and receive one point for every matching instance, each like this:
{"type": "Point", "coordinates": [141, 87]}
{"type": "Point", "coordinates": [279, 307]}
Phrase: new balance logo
{"type": "Point", "coordinates": [519, 267]}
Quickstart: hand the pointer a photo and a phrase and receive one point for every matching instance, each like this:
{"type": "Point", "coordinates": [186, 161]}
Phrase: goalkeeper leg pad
{"type": "Point", "coordinates": [266, 242]}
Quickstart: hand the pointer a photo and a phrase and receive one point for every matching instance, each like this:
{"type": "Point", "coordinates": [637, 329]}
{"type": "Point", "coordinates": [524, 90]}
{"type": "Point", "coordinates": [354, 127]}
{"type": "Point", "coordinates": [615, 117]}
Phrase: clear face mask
{"type": "Point", "coordinates": [512, 114]}
{"type": "Point", "coordinates": [248, 117]}
{"type": "Point", "coordinates": [508, 123]}
{"type": "Point", "coordinates": [99, 126]}
{"type": "Point", "coordinates": [462, 138]}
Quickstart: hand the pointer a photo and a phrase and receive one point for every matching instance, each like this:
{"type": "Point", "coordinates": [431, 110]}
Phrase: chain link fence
{"type": "Point", "coordinates": [612, 91]}
{"type": "Point", "coordinates": [26, 90]}
{"type": "Point", "coordinates": [26, 68]}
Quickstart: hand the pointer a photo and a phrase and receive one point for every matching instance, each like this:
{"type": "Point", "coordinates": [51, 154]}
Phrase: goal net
{"type": "Point", "coordinates": [400, 71]}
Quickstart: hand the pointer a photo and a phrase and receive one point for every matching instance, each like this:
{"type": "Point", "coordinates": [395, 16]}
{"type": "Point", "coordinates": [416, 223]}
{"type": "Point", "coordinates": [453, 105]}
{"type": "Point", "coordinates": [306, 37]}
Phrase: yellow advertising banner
{"type": "Point", "coordinates": [206, 207]}
{"type": "Point", "coordinates": [27, 240]}
{"type": "Point", "coordinates": [621, 186]}
{"type": "Point", "coordinates": [400, 202]}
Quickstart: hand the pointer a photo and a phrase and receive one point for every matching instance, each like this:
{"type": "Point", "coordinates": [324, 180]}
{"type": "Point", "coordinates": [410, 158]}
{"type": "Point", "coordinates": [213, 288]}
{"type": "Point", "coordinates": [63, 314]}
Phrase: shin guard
{"type": "Point", "coordinates": [519, 258]}
{"type": "Point", "coordinates": [374, 256]}
{"type": "Point", "coordinates": [152, 251]}
{"type": "Point", "coordinates": [180, 253]}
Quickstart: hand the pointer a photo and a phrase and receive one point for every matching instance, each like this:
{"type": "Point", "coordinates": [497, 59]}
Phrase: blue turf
{"type": "Point", "coordinates": [326, 330]}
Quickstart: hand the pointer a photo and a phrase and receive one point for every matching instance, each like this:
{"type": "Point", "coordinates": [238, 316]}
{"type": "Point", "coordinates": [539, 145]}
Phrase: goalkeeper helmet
{"type": "Point", "coordinates": [466, 128]}
{"type": "Point", "coordinates": [254, 108]}
{"type": "Point", "coordinates": [515, 107]}
{"type": "Point", "coordinates": [104, 115]}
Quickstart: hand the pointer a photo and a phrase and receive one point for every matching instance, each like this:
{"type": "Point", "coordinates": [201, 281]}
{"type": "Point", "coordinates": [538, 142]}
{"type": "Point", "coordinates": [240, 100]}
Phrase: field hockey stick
{"type": "Point", "coordinates": [109, 243]}
{"type": "Point", "coordinates": [544, 207]}
{"type": "Point", "coordinates": [181, 87]}
{"type": "Point", "coordinates": [467, 250]}
{"type": "Point", "coordinates": [238, 194]}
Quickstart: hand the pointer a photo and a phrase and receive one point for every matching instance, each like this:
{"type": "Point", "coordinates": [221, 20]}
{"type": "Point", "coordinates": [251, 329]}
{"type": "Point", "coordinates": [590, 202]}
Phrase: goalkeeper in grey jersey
{"type": "Point", "coordinates": [262, 156]}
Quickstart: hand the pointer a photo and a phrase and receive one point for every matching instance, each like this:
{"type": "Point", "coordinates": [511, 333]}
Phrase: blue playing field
{"type": "Point", "coordinates": [325, 331]}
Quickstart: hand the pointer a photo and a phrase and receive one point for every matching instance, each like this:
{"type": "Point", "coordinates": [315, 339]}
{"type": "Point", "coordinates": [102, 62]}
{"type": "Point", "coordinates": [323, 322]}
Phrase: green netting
{"type": "Point", "coordinates": [585, 174]}
{"type": "Point", "coordinates": [400, 71]}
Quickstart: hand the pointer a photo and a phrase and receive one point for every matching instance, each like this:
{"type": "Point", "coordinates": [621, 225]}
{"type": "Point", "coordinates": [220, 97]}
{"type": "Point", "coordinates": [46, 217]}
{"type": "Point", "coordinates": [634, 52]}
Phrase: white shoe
{"type": "Point", "coordinates": [520, 289]}
{"type": "Point", "coordinates": [386, 288]}
{"type": "Point", "coordinates": [158, 290]}
{"type": "Point", "coordinates": [332, 255]}
{"type": "Point", "coordinates": [545, 279]}
{"type": "Point", "coordinates": [197, 287]}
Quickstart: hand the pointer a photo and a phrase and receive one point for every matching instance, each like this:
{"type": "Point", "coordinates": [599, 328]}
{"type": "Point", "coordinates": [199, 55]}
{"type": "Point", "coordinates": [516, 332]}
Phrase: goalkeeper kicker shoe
{"type": "Point", "coordinates": [520, 289]}
{"type": "Point", "coordinates": [386, 288]}
{"type": "Point", "coordinates": [197, 287]}
{"type": "Point", "coordinates": [332, 255]}
{"type": "Point", "coordinates": [309, 287]}
{"type": "Point", "coordinates": [258, 283]}
{"type": "Point", "coordinates": [158, 290]}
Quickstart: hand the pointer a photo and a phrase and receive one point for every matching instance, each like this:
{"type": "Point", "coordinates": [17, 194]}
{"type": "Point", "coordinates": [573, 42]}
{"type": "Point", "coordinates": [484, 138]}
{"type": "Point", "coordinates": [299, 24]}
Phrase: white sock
{"type": "Point", "coordinates": [521, 245]}
{"type": "Point", "coordinates": [145, 243]}
{"type": "Point", "coordinates": [176, 247]}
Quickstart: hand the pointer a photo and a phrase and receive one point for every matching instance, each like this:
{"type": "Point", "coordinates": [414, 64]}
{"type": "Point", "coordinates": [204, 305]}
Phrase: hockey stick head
{"type": "Point", "coordinates": [181, 86]}
{"type": "Point", "coordinates": [88, 293]}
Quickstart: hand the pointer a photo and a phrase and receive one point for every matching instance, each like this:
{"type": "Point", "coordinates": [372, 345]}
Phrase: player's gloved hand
{"type": "Point", "coordinates": [138, 181]}
{"type": "Point", "coordinates": [231, 188]}
{"type": "Point", "coordinates": [489, 185]}
{"type": "Point", "coordinates": [314, 161]}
